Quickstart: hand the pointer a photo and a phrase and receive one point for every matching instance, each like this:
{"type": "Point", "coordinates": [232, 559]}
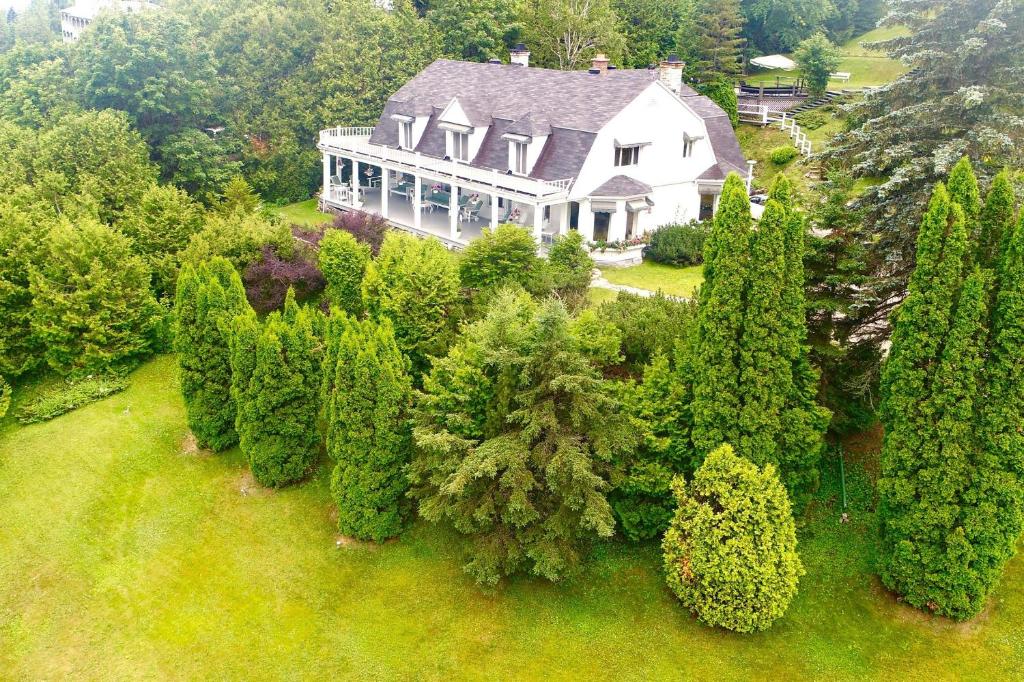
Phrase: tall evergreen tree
{"type": "Point", "coordinates": [716, 396]}
{"type": "Point", "coordinates": [516, 441]}
{"type": "Point", "coordinates": [277, 409]}
{"type": "Point", "coordinates": [966, 76]}
{"type": "Point", "coordinates": [368, 433]}
{"type": "Point", "coordinates": [719, 25]}
{"type": "Point", "coordinates": [343, 261]}
{"type": "Point", "coordinates": [206, 302]}
{"type": "Point", "coordinates": [753, 383]}
{"type": "Point", "coordinates": [996, 221]}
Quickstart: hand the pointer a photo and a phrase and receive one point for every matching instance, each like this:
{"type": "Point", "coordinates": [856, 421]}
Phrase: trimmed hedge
{"type": "Point", "coordinates": [680, 244]}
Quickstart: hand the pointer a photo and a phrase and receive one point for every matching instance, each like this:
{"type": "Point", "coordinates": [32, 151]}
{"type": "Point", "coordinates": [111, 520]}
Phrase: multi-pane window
{"type": "Point", "coordinates": [627, 156]}
{"type": "Point", "coordinates": [519, 162]}
{"type": "Point", "coordinates": [405, 138]}
{"type": "Point", "coordinates": [687, 146]}
{"type": "Point", "coordinates": [460, 146]}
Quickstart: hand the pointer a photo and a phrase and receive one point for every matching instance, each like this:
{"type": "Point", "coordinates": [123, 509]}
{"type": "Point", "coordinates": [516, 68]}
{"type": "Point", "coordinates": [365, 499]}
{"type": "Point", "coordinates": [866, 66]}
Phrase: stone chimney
{"type": "Point", "coordinates": [519, 55]}
{"type": "Point", "coordinates": [599, 63]}
{"type": "Point", "coordinates": [670, 72]}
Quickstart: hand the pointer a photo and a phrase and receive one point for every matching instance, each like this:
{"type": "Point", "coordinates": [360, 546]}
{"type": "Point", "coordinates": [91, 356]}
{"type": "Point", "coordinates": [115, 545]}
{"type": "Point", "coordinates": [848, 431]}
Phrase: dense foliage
{"type": "Point", "coordinates": [678, 244]}
{"type": "Point", "coordinates": [817, 58]}
{"type": "Point", "coordinates": [415, 284]}
{"type": "Point", "coordinates": [65, 397]}
{"type": "Point", "coordinates": [959, 99]}
{"type": "Point", "coordinates": [275, 368]}
{"type": "Point", "coordinates": [753, 385]}
{"type": "Point", "coordinates": [343, 262]}
{"type": "Point", "coordinates": [649, 326]}
{"type": "Point", "coordinates": [368, 398]}
{"type": "Point", "coordinates": [950, 490]}
{"type": "Point", "coordinates": [517, 434]}
{"type": "Point", "coordinates": [730, 553]}
{"type": "Point", "coordinates": [207, 301]}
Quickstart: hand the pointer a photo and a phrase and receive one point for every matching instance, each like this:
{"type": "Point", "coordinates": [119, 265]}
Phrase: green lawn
{"type": "Point", "coordinates": [672, 280]}
{"type": "Point", "coordinates": [866, 67]}
{"type": "Point", "coordinates": [303, 213]}
{"type": "Point", "coordinates": [596, 296]}
{"type": "Point", "coordinates": [124, 555]}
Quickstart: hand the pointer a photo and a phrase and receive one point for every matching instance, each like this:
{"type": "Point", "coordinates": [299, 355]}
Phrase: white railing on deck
{"type": "Point", "coordinates": [357, 140]}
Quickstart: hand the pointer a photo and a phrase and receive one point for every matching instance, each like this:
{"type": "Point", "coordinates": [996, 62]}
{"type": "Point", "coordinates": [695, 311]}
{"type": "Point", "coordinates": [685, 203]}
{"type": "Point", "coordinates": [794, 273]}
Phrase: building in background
{"type": "Point", "coordinates": [612, 153]}
{"type": "Point", "coordinates": [75, 19]}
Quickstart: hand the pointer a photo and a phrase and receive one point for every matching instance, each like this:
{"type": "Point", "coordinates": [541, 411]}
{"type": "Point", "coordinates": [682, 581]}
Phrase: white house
{"type": "Point", "coordinates": [77, 17]}
{"type": "Point", "coordinates": [610, 152]}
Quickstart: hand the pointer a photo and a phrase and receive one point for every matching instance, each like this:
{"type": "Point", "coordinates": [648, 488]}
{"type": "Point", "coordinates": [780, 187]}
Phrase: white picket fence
{"type": "Point", "coordinates": [798, 136]}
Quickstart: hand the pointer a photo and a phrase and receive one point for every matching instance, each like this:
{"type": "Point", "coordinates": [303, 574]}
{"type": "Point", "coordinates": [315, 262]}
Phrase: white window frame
{"type": "Point", "coordinates": [688, 146]}
{"type": "Point", "coordinates": [460, 146]}
{"type": "Point", "coordinates": [405, 134]}
{"type": "Point", "coordinates": [519, 159]}
{"type": "Point", "coordinates": [627, 156]}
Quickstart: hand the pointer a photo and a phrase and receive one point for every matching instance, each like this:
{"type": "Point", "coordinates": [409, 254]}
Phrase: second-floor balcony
{"type": "Point", "coordinates": [355, 142]}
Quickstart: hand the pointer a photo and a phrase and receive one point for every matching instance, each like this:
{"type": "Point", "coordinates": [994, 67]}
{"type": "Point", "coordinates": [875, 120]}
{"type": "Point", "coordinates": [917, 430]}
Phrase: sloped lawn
{"type": "Point", "coordinates": [669, 279]}
{"type": "Point", "coordinates": [125, 554]}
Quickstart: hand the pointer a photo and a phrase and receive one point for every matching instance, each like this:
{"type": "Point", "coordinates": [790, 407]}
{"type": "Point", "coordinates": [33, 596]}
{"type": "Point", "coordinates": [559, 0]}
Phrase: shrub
{"type": "Point", "coordinates": [780, 156]}
{"type": "Point", "coordinates": [92, 305]}
{"type": "Point", "coordinates": [67, 397]}
{"type": "Point", "coordinates": [680, 244]}
{"type": "Point", "coordinates": [343, 263]}
{"type": "Point", "coordinates": [415, 283]}
{"type": "Point", "coordinates": [649, 326]}
{"type": "Point", "coordinates": [239, 237]}
{"type": "Point", "coordinates": [368, 228]}
{"type": "Point", "coordinates": [571, 269]}
{"type": "Point", "coordinates": [812, 120]}
{"type": "Point", "coordinates": [730, 552]}
{"type": "Point", "coordinates": [269, 278]}
{"type": "Point", "coordinates": [506, 255]}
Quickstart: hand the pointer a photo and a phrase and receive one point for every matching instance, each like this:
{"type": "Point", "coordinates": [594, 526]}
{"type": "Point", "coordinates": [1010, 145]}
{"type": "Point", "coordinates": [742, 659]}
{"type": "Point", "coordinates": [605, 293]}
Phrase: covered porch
{"type": "Point", "coordinates": [433, 204]}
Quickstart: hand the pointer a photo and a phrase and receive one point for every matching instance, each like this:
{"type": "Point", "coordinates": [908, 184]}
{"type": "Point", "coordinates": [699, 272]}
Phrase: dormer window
{"type": "Point", "coordinates": [519, 158]}
{"type": "Point", "coordinates": [460, 146]}
{"type": "Point", "coordinates": [405, 134]}
{"type": "Point", "coordinates": [627, 156]}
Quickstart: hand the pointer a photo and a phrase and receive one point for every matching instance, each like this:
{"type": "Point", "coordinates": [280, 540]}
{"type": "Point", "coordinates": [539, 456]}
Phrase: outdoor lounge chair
{"type": "Point", "coordinates": [471, 210]}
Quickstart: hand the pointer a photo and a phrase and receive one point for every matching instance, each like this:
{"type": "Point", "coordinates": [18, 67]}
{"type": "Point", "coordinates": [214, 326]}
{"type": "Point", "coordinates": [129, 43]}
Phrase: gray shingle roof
{"type": "Point", "coordinates": [622, 186]}
{"type": "Point", "coordinates": [569, 106]}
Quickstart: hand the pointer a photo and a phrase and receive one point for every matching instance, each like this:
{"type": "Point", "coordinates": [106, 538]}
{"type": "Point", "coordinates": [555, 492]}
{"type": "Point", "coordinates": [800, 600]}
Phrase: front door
{"type": "Point", "coordinates": [602, 219]}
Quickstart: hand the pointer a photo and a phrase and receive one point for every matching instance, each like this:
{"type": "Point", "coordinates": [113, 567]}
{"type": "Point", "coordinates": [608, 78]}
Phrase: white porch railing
{"type": "Point", "coordinates": [357, 141]}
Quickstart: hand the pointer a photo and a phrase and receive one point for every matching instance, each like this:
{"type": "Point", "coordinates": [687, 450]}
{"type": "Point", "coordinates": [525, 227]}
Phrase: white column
{"type": "Point", "coordinates": [617, 225]}
{"type": "Point", "coordinates": [385, 193]}
{"type": "Point", "coordinates": [538, 222]}
{"type": "Point", "coordinates": [586, 221]}
{"type": "Point", "coordinates": [563, 218]}
{"type": "Point", "coordinates": [417, 204]}
{"type": "Point", "coordinates": [453, 212]}
{"type": "Point", "coordinates": [494, 211]}
{"type": "Point", "coordinates": [355, 183]}
{"type": "Point", "coordinates": [327, 176]}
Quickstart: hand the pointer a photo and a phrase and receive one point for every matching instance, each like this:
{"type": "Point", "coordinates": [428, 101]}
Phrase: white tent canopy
{"type": "Point", "coordinates": [774, 61]}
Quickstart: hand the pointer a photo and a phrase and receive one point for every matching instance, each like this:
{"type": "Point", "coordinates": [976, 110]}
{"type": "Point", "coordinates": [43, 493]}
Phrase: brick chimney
{"type": "Point", "coordinates": [670, 72]}
{"type": "Point", "coordinates": [519, 55]}
{"type": "Point", "coordinates": [599, 63]}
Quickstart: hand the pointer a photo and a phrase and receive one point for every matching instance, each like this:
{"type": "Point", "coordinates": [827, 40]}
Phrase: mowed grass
{"type": "Point", "coordinates": [124, 555]}
{"type": "Point", "coordinates": [303, 213]}
{"type": "Point", "coordinates": [867, 67]}
{"type": "Point", "coordinates": [669, 279]}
